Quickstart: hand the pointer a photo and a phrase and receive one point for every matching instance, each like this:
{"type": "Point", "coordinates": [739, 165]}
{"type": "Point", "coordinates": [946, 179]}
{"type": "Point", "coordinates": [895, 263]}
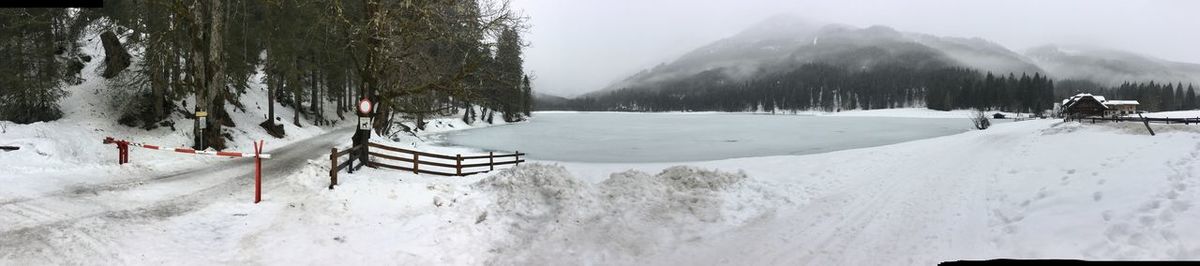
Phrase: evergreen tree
{"type": "Point", "coordinates": [39, 51]}
{"type": "Point", "coordinates": [1190, 99]}
{"type": "Point", "coordinates": [509, 74]}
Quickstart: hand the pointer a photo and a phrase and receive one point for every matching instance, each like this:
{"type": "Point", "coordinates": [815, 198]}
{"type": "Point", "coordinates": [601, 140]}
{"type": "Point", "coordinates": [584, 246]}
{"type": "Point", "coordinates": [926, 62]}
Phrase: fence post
{"type": "Point", "coordinates": [491, 162]}
{"type": "Point", "coordinates": [120, 154]}
{"type": "Point", "coordinates": [258, 171]}
{"type": "Point", "coordinates": [415, 164]}
{"type": "Point", "coordinates": [458, 164]}
{"type": "Point", "coordinates": [1146, 121]}
{"type": "Point", "coordinates": [517, 161]}
{"type": "Point", "coordinates": [333, 170]}
{"type": "Point", "coordinates": [124, 146]}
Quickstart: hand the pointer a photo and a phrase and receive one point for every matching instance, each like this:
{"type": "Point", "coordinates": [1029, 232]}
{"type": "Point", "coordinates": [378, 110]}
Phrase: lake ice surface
{"type": "Point", "coordinates": [681, 137]}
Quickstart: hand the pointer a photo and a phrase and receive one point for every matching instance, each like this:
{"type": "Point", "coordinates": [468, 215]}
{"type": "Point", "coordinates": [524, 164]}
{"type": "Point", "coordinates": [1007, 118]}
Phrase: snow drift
{"type": "Point", "coordinates": [552, 217]}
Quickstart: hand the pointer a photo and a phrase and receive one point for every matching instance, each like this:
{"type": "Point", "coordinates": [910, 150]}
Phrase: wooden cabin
{"type": "Point", "coordinates": [1120, 107]}
{"type": "Point", "coordinates": [1086, 104]}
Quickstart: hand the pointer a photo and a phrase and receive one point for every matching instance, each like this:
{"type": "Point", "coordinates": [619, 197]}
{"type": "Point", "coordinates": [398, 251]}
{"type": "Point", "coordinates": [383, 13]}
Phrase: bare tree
{"type": "Point", "coordinates": [980, 120]}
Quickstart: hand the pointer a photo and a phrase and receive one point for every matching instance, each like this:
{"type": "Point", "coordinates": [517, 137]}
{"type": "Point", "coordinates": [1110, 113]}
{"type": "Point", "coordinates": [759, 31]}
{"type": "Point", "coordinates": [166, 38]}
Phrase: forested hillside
{"type": "Point", "coordinates": [162, 57]}
{"type": "Point", "coordinates": [791, 64]}
{"type": "Point", "coordinates": [828, 88]}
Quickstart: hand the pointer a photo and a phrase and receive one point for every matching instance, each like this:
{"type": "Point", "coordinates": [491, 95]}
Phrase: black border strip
{"type": "Point", "coordinates": [51, 3]}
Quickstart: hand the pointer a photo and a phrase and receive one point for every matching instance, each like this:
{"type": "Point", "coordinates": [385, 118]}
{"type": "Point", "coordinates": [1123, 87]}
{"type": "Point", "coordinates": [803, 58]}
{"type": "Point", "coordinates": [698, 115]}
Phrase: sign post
{"type": "Point", "coordinates": [363, 135]}
{"type": "Point", "coordinates": [201, 124]}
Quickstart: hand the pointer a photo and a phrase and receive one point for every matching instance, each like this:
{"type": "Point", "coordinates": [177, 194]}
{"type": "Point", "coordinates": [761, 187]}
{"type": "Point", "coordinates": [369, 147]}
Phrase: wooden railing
{"type": "Point", "coordinates": [1145, 120]}
{"type": "Point", "coordinates": [421, 162]}
{"type": "Point", "coordinates": [353, 152]}
{"type": "Point", "coordinates": [418, 162]}
{"type": "Point", "coordinates": [1162, 120]}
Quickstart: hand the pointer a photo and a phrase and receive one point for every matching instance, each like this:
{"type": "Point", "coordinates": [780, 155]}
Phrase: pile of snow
{"type": "Point", "coordinates": [1173, 114]}
{"type": "Point", "coordinates": [1128, 127]}
{"type": "Point", "coordinates": [550, 217]}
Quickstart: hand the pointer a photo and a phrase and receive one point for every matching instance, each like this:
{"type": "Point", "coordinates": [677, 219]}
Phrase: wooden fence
{"type": "Point", "coordinates": [1165, 120]}
{"type": "Point", "coordinates": [418, 162]}
{"type": "Point", "coordinates": [354, 153]}
{"type": "Point", "coordinates": [1145, 120]}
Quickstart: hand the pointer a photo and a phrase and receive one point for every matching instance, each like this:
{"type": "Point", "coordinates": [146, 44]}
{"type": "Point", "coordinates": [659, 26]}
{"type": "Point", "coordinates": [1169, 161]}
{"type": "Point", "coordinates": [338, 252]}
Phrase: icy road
{"type": "Point", "coordinates": [73, 223]}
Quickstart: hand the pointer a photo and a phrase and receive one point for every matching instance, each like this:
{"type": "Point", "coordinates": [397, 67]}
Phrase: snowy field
{"type": "Point", "coordinates": [1030, 189]}
{"type": "Point", "coordinates": [674, 137]}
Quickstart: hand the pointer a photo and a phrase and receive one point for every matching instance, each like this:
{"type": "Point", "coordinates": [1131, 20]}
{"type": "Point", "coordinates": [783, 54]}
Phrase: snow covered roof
{"type": "Point", "coordinates": [1121, 102]}
{"type": "Point", "coordinates": [1071, 101]}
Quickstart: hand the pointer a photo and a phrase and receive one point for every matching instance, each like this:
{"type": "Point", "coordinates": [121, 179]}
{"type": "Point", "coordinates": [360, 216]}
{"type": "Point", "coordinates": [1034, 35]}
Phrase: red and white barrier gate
{"type": "Point", "coordinates": [123, 157]}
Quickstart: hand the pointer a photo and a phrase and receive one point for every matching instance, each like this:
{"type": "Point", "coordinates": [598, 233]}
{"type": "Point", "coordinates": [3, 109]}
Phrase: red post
{"type": "Point", "coordinates": [416, 159]}
{"type": "Point", "coordinates": [258, 171]}
{"type": "Point", "coordinates": [458, 164]}
{"type": "Point", "coordinates": [491, 161]}
{"type": "Point", "coordinates": [122, 152]}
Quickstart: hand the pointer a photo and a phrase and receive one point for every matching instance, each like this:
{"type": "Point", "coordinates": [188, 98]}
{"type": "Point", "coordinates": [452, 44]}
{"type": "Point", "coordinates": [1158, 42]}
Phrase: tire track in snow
{"type": "Point", "coordinates": [39, 230]}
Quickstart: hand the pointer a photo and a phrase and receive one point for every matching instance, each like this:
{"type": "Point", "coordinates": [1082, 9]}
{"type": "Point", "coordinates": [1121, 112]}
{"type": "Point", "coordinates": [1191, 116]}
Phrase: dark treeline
{"type": "Point", "coordinates": [829, 88]}
{"type": "Point", "coordinates": [164, 57]}
{"type": "Point", "coordinates": [1157, 96]}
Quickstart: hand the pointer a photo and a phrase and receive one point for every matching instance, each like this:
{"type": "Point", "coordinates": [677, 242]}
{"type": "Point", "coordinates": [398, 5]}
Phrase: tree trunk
{"type": "Point", "coordinates": [157, 84]}
{"type": "Point", "coordinates": [272, 87]}
{"type": "Point", "coordinates": [296, 107]}
{"type": "Point", "coordinates": [216, 82]}
{"type": "Point", "coordinates": [197, 76]}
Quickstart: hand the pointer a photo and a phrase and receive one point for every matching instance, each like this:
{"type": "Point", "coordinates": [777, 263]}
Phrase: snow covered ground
{"type": "Point", "coordinates": [1174, 114]}
{"type": "Point", "coordinates": [1029, 189]}
{"type": "Point", "coordinates": [894, 112]}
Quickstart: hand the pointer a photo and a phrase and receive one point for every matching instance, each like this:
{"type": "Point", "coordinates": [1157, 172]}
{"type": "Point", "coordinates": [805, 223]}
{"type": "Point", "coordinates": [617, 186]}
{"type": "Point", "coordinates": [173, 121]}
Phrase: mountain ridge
{"type": "Point", "coordinates": [781, 42]}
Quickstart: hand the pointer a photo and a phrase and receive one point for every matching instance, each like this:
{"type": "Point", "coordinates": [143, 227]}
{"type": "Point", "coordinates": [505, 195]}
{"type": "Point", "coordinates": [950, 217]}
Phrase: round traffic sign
{"type": "Point", "coordinates": [364, 107]}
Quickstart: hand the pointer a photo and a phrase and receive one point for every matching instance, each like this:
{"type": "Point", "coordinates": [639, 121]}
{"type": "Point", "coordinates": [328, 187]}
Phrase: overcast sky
{"type": "Point", "coordinates": [578, 46]}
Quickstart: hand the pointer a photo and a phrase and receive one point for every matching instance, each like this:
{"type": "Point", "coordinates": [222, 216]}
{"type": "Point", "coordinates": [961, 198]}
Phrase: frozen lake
{"type": "Point", "coordinates": [676, 137]}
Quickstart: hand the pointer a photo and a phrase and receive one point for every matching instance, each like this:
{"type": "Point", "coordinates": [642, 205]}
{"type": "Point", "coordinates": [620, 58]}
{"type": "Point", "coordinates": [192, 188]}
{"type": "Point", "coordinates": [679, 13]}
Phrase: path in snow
{"type": "Point", "coordinates": [68, 221]}
{"type": "Point", "coordinates": [1013, 191]}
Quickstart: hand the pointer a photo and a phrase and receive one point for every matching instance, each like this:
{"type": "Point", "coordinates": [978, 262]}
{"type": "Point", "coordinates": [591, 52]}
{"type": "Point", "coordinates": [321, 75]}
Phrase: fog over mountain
{"type": "Point", "coordinates": [1109, 67]}
{"type": "Point", "coordinates": [578, 47]}
{"type": "Point", "coordinates": [784, 42]}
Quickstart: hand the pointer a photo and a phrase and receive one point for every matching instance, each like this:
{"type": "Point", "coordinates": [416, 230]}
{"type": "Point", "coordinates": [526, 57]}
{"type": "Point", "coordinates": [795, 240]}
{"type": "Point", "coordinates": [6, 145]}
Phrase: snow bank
{"type": "Point", "coordinates": [1173, 114]}
{"type": "Point", "coordinates": [1131, 128]}
{"type": "Point", "coordinates": [550, 217]}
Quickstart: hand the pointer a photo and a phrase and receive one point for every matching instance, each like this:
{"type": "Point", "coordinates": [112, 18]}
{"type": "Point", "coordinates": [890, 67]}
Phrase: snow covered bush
{"type": "Point", "coordinates": [980, 120]}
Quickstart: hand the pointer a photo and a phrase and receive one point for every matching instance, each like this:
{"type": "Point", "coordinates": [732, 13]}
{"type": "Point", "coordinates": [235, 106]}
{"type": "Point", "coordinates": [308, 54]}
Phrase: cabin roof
{"type": "Point", "coordinates": [1075, 99]}
{"type": "Point", "coordinates": [1121, 102]}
